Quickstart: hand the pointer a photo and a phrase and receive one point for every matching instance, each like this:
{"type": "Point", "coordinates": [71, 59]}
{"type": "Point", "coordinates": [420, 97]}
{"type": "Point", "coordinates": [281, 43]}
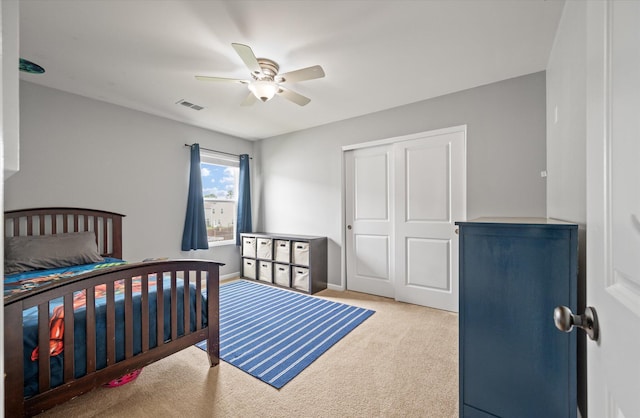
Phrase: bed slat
{"type": "Point", "coordinates": [174, 307]}
{"type": "Point", "coordinates": [144, 309]}
{"type": "Point", "coordinates": [91, 329]}
{"type": "Point", "coordinates": [69, 325]}
{"type": "Point", "coordinates": [44, 369]}
{"type": "Point", "coordinates": [160, 310]}
{"type": "Point", "coordinates": [111, 325]}
{"type": "Point", "coordinates": [198, 300]}
{"type": "Point", "coordinates": [128, 316]}
{"type": "Point", "coordinates": [186, 305]}
{"type": "Point", "coordinates": [105, 235]}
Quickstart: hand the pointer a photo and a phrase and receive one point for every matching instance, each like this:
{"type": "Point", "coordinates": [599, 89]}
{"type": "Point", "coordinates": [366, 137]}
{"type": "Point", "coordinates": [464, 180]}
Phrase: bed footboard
{"type": "Point", "coordinates": [164, 296]}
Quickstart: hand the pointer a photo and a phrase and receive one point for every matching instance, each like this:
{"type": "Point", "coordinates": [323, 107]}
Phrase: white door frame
{"type": "Point", "coordinates": [386, 141]}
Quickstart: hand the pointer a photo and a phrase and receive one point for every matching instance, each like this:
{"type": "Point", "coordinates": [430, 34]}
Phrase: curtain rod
{"type": "Point", "coordinates": [219, 152]}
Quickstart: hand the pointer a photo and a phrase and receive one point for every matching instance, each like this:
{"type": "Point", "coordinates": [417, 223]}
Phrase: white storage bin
{"type": "Point", "coordinates": [249, 247]}
{"type": "Point", "coordinates": [301, 278]}
{"type": "Point", "coordinates": [283, 251]}
{"type": "Point", "coordinates": [265, 271]}
{"type": "Point", "coordinates": [281, 275]}
{"type": "Point", "coordinates": [249, 268]}
{"type": "Point", "coordinates": [301, 253]}
{"type": "Point", "coordinates": [263, 249]}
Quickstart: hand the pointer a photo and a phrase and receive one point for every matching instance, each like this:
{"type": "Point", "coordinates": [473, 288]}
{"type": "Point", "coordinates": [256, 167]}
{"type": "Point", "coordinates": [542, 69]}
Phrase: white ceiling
{"type": "Point", "coordinates": [144, 54]}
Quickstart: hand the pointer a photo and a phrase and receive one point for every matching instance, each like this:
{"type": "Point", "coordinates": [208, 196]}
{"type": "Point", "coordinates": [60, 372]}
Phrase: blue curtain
{"type": "Point", "coordinates": [194, 236]}
{"type": "Point", "coordinates": [244, 199]}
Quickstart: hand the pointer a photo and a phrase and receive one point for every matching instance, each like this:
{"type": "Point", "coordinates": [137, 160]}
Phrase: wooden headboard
{"type": "Point", "coordinates": [50, 221]}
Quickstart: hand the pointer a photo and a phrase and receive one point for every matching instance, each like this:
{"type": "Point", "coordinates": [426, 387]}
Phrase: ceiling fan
{"type": "Point", "coordinates": [265, 81]}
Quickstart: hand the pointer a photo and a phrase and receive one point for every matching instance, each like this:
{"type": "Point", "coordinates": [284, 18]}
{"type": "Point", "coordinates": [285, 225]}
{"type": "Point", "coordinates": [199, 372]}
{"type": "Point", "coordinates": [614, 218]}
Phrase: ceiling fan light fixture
{"type": "Point", "coordinates": [264, 90]}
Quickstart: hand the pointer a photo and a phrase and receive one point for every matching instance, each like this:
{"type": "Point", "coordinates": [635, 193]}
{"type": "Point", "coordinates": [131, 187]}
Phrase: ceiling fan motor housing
{"type": "Point", "coordinates": [269, 69]}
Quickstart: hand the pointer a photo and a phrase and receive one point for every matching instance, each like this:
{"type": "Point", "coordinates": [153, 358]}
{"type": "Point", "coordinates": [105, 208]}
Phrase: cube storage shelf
{"type": "Point", "coordinates": [297, 262]}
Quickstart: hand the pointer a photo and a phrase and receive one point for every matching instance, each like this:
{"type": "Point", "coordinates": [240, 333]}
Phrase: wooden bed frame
{"type": "Point", "coordinates": [108, 229]}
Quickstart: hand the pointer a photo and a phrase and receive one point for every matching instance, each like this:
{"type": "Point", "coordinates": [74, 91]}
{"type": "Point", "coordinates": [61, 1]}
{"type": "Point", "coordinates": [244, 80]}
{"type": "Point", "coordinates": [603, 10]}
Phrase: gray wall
{"type": "Point", "coordinates": [566, 133]}
{"type": "Point", "coordinates": [299, 185]}
{"type": "Point", "coordinates": [76, 151]}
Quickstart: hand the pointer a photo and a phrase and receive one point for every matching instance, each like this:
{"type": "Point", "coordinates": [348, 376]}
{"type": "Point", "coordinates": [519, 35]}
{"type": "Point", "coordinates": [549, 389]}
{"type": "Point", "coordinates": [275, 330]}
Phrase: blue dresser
{"type": "Point", "coordinates": [513, 361]}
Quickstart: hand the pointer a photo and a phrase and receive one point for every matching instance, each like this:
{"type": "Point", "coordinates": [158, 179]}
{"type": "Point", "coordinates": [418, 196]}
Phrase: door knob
{"type": "Point", "coordinates": [565, 320]}
{"type": "Point", "coordinates": [348, 226]}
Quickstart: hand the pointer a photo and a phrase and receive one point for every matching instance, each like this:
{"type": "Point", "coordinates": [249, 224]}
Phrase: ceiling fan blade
{"type": "Point", "coordinates": [249, 58]}
{"type": "Point", "coordinates": [303, 74]}
{"type": "Point", "coordinates": [291, 95]}
{"type": "Point", "coordinates": [233, 80]}
{"type": "Point", "coordinates": [249, 100]}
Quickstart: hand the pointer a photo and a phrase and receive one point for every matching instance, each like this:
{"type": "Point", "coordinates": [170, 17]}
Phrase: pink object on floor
{"type": "Point", "coordinates": [129, 377]}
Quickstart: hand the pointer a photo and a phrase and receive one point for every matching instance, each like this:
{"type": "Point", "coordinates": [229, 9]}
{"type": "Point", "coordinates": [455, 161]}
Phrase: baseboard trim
{"type": "Point", "coordinates": [235, 275]}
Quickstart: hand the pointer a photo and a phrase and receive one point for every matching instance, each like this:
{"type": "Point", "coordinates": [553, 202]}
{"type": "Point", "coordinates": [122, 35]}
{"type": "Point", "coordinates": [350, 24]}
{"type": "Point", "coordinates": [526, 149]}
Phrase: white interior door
{"type": "Point", "coordinates": [613, 206]}
{"type": "Point", "coordinates": [402, 197]}
{"type": "Point", "coordinates": [369, 214]}
{"type": "Point", "coordinates": [431, 194]}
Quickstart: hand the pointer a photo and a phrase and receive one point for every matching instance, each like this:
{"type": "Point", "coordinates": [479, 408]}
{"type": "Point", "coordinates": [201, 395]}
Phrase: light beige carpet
{"type": "Point", "coordinates": [401, 362]}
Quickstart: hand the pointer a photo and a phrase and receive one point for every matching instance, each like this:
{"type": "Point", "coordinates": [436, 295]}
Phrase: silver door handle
{"type": "Point", "coordinates": [565, 320]}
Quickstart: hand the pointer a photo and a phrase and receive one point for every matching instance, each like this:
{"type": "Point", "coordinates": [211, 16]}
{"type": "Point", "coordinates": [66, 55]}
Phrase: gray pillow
{"type": "Point", "coordinates": [49, 251]}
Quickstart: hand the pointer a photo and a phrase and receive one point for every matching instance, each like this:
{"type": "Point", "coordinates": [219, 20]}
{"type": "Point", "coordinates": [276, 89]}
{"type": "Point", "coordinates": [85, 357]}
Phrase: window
{"type": "Point", "coordinates": [219, 189]}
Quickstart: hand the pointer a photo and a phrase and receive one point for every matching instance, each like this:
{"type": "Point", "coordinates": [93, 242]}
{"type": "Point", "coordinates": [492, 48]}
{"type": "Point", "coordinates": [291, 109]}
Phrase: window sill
{"type": "Point", "coordinates": [213, 244]}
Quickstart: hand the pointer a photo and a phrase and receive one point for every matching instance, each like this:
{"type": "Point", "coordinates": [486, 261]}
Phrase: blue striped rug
{"type": "Point", "coordinates": [273, 334]}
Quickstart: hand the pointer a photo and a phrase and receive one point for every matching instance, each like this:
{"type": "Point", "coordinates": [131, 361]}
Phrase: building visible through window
{"type": "Point", "coordinates": [219, 188]}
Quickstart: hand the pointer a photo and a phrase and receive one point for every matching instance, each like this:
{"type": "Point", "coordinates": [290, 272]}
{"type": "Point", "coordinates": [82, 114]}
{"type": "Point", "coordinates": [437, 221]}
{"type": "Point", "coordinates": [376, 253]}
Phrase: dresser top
{"type": "Point", "coordinates": [517, 220]}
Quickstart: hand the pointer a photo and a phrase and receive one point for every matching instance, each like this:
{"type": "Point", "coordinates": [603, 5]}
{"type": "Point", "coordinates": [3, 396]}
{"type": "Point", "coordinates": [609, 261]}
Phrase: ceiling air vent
{"type": "Point", "coordinates": [189, 104]}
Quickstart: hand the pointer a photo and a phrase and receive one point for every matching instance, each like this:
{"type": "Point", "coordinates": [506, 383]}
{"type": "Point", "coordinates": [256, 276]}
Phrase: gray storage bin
{"type": "Point", "coordinates": [249, 247]}
{"type": "Point", "coordinates": [265, 271]}
{"type": "Point", "coordinates": [249, 268]}
{"type": "Point", "coordinates": [282, 250]}
{"type": "Point", "coordinates": [264, 248]}
{"type": "Point", "coordinates": [282, 275]}
{"type": "Point", "coordinates": [301, 278]}
{"type": "Point", "coordinates": [301, 253]}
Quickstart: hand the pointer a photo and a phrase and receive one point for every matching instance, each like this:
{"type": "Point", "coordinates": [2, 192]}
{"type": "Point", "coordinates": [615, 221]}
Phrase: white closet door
{"type": "Point", "coordinates": [369, 240]}
{"type": "Point", "coordinates": [430, 196]}
{"type": "Point", "coordinates": [402, 198]}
